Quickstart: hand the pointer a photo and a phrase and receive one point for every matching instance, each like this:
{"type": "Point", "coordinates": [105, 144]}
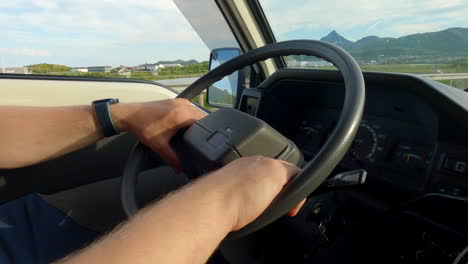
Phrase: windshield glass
{"type": "Point", "coordinates": [138, 39]}
{"type": "Point", "coordinates": [428, 37]}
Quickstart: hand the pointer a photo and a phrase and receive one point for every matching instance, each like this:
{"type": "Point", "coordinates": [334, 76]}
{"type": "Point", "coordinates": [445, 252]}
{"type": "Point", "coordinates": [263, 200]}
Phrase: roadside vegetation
{"type": "Point", "coordinates": [198, 69]}
{"type": "Point", "coordinates": [45, 68]}
{"type": "Point", "coordinates": [139, 75]}
{"type": "Point", "coordinates": [459, 66]}
{"type": "Point", "coordinates": [192, 70]}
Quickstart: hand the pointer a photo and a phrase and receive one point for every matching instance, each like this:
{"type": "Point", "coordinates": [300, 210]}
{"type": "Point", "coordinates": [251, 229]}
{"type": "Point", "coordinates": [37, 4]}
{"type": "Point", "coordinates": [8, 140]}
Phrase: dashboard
{"type": "Point", "coordinates": [412, 141]}
{"type": "Point", "coordinates": [412, 137]}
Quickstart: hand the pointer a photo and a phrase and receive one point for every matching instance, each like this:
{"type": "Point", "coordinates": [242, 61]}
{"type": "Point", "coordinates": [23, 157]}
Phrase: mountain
{"type": "Point", "coordinates": [181, 62]}
{"type": "Point", "coordinates": [220, 96]}
{"type": "Point", "coordinates": [449, 42]}
{"type": "Point", "coordinates": [337, 39]}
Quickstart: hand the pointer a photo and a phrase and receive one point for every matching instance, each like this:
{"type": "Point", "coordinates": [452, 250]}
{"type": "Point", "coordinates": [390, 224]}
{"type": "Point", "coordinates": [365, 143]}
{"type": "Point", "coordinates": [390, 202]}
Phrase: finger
{"type": "Point", "coordinates": [166, 152]}
{"type": "Point", "coordinates": [199, 114]}
{"type": "Point", "coordinates": [297, 208]}
{"type": "Point", "coordinates": [291, 169]}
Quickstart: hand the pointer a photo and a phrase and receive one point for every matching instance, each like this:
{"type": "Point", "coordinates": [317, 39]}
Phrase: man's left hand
{"type": "Point", "coordinates": [155, 123]}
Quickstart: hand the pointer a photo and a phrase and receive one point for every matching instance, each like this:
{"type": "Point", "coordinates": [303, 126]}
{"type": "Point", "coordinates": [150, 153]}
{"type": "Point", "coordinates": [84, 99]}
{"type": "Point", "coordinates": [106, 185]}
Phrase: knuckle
{"type": "Point", "coordinates": [255, 159]}
{"type": "Point", "coordinates": [181, 101]}
{"type": "Point", "coordinates": [262, 161]}
{"type": "Point", "coordinates": [271, 163]}
{"type": "Point", "coordinates": [178, 113]}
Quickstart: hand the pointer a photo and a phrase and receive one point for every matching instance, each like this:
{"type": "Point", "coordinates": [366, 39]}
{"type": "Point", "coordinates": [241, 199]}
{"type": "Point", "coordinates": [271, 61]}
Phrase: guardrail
{"type": "Point", "coordinates": [446, 76]}
{"type": "Point", "coordinates": [180, 84]}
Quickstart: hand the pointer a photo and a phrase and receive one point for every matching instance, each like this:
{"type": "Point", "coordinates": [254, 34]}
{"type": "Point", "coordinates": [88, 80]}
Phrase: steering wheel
{"type": "Point", "coordinates": [314, 172]}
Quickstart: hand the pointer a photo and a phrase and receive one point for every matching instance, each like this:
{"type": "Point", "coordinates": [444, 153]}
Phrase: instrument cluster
{"type": "Point", "coordinates": [391, 149]}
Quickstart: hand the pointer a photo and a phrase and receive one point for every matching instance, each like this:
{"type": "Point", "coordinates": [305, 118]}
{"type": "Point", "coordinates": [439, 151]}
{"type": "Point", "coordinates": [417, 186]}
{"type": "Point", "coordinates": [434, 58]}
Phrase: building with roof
{"type": "Point", "coordinates": [16, 70]}
{"type": "Point", "coordinates": [80, 69]}
{"type": "Point", "coordinates": [155, 66]}
{"type": "Point", "coordinates": [99, 68]}
{"type": "Point", "coordinates": [124, 71]}
{"type": "Point", "coordinates": [171, 65]}
{"type": "Point", "coordinates": [118, 68]}
{"type": "Point", "coordinates": [147, 67]}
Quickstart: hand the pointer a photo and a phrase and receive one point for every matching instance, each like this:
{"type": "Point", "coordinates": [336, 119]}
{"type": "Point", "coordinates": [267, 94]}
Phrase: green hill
{"type": "Point", "coordinates": [449, 42]}
{"type": "Point", "coordinates": [46, 68]}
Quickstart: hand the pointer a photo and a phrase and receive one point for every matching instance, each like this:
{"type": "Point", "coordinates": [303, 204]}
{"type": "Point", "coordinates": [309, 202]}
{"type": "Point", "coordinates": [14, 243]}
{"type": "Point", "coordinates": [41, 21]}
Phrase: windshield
{"type": "Point", "coordinates": [427, 37]}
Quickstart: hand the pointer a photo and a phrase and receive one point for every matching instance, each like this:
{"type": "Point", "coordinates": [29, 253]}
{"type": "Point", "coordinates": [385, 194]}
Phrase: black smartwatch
{"type": "Point", "coordinates": [103, 116]}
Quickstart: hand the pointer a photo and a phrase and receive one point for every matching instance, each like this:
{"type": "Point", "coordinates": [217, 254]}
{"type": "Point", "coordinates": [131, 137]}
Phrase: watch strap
{"type": "Point", "coordinates": [103, 116]}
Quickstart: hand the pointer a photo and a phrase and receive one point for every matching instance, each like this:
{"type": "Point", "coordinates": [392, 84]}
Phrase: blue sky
{"type": "Point", "coordinates": [132, 32]}
{"type": "Point", "coordinates": [355, 19]}
{"type": "Point", "coordinates": [85, 32]}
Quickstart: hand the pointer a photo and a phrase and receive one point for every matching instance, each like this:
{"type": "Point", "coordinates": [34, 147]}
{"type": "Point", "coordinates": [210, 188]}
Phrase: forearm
{"type": "Point", "coordinates": [185, 227]}
{"type": "Point", "coordinates": [30, 135]}
{"type": "Point", "coordinates": [34, 134]}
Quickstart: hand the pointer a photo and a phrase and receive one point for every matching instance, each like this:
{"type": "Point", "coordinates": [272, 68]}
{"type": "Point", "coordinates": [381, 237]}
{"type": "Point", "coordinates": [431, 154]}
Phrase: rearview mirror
{"type": "Point", "coordinates": [224, 92]}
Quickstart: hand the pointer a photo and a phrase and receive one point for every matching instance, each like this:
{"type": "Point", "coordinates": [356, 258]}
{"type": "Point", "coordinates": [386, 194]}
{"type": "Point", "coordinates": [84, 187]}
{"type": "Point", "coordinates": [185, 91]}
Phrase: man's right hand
{"type": "Point", "coordinates": [187, 225]}
{"type": "Point", "coordinates": [250, 184]}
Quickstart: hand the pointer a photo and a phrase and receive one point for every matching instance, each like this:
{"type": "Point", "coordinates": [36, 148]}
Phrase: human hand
{"type": "Point", "coordinates": [251, 184]}
{"type": "Point", "coordinates": [155, 123]}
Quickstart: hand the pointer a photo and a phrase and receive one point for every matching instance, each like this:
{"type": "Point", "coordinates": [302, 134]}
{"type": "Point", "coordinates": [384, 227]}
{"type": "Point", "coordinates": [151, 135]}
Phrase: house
{"type": "Point", "coordinates": [124, 71]}
{"type": "Point", "coordinates": [99, 68]}
{"type": "Point", "coordinates": [118, 68]}
{"type": "Point", "coordinates": [171, 65]}
{"type": "Point", "coordinates": [92, 69]}
{"type": "Point", "coordinates": [146, 67]}
{"type": "Point", "coordinates": [80, 69]}
{"type": "Point", "coordinates": [155, 66]}
{"type": "Point", "coordinates": [16, 70]}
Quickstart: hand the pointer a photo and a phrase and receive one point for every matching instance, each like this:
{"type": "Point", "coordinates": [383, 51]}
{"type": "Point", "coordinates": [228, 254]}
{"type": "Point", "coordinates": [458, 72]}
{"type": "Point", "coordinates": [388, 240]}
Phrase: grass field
{"type": "Point", "coordinates": [415, 68]}
{"type": "Point", "coordinates": [456, 67]}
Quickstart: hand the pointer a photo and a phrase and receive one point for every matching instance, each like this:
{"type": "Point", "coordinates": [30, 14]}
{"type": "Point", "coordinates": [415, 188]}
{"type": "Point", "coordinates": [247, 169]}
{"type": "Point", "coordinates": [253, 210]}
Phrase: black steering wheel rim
{"type": "Point", "coordinates": [319, 168]}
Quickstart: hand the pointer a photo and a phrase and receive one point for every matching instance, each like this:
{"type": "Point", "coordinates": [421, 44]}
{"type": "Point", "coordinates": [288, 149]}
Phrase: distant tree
{"type": "Point", "coordinates": [195, 68]}
{"type": "Point", "coordinates": [46, 68]}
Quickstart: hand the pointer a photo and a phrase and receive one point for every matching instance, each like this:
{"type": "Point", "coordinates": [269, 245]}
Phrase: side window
{"type": "Point", "coordinates": [140, 39]}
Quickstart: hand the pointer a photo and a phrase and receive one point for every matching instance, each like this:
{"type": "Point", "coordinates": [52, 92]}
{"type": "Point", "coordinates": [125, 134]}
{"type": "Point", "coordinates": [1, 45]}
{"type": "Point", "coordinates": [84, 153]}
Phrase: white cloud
{"type": "Point", "coordinates": [406, 29]}
{"type": "Point", "coordinates": [46, 4]}
{"type": "Point", "coordinates": [438, 4]}
{"type": "Point", "coordinates": [25, 52]}
{"type": "Point", "coordinates": [369, 16]}
{"type": "Point", "coordinates": [137, 21]}
{"type": "Point", "coordinates": [96, 32]}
